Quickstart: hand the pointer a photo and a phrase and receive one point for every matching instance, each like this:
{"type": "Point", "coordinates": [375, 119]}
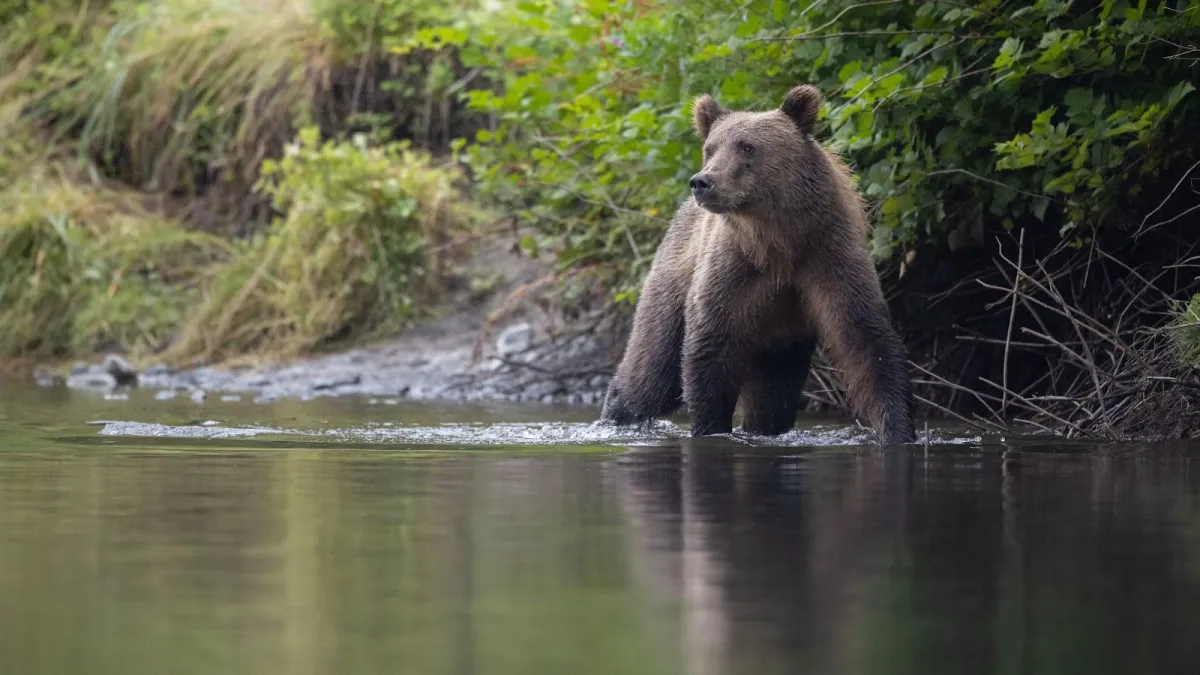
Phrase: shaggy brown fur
{"type": "Point", "coordinates": [766, 258]}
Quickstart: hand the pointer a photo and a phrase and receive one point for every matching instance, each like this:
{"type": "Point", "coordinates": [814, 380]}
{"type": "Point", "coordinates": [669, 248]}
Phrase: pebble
{"type": "Point", "coordinates": [514, 339]}
{"type": "Point", "coordinates": [92, 380]}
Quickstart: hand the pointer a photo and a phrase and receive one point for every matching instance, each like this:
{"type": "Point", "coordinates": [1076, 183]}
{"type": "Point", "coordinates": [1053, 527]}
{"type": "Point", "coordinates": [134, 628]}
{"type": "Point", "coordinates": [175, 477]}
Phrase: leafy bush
{"type": "Point", "coordinates": [962, 118]}
{"type": "Point", "coordinates": [351, 255]}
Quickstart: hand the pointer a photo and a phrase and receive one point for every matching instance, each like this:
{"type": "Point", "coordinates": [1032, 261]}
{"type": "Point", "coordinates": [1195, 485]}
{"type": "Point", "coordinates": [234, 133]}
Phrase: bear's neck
{"type": "Point", "coordinates": [771, 244]}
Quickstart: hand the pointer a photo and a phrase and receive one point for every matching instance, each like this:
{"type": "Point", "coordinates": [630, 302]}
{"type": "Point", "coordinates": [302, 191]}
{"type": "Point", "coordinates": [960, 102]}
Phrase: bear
{"type": "Point", "coordinates": [767, 257]}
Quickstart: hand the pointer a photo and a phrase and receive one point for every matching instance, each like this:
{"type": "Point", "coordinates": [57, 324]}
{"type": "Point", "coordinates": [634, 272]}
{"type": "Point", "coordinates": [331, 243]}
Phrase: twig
{"type": "Point", "coordinates": [953, 414]}
{"type": "Point", "coordinates": [902, 66]}
{"type": "Point", "coordinates": [997, 183]}
{"type": "Point", "coordinates": [875, 33]}
{"type": "Point", "coordinates": [1012, 315]}
{"type": "Point", "coordinates": [1033, 407]}
{"type": "Point", "coordinates": [1142, 228]}
{"type": "Point", "coordinates": [839, 15]}
{"type": "Point", "coordinates": [919, 87]}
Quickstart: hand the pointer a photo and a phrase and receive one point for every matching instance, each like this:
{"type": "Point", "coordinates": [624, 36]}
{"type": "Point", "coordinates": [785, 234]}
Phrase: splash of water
{"type": "Point", "coordinates": [525, 433]}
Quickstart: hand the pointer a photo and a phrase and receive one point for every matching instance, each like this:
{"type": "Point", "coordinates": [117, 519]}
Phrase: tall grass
{"type": "Point", "coordinates": [184, 93]}
{"type": "Point", "coordinates": [83, 269]}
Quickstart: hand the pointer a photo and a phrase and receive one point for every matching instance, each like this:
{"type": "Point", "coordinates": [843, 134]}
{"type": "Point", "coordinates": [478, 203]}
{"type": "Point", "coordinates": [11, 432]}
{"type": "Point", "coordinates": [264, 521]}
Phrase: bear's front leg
{"type": "Point", "coordinates": [710, 375]}
{"type": "Point", "coordinates": [856, 331]}
{"type": "Point", "coordinates": [709, 388]}
{"type": "Point", "coordinates": [647, 382]}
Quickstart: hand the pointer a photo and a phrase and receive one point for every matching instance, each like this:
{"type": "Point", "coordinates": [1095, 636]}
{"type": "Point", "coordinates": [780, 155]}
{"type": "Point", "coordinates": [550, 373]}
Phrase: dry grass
{"type": "Point", "coordinates": [85, 268]}
{"type": "Point", "coordinates": [190, 87]}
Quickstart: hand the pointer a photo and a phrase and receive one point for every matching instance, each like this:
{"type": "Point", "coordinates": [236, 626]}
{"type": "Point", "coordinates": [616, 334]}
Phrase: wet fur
{"type": "Point", "coordinates": [751, 277]}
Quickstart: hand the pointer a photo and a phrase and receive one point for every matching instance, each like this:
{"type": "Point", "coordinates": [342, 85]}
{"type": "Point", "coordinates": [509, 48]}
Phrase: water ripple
{"type": "Point", "coordinates": [523, 433]}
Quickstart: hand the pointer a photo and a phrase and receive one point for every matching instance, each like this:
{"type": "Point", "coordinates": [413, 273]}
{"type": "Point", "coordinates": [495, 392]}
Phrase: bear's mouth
{"type": "Point", "coordinates": [714, 204]}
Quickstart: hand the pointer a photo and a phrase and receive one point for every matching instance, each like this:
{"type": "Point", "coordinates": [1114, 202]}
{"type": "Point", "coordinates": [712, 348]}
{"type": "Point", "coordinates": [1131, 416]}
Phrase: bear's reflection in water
{"type": "Point", "coordinates": [884, 562]}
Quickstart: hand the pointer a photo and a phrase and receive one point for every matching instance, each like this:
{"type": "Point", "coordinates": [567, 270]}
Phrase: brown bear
{"type": "Point", "coordinates": [766, 257]}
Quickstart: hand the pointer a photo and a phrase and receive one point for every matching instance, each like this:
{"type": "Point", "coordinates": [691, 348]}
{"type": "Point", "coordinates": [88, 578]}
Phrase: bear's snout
{"type": "Point", "coordinates": [701, 185]}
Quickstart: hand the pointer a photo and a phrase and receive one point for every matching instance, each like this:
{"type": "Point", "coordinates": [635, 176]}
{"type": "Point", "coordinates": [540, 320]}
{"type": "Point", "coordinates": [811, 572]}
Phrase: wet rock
{"type": "Point", "coordinates": [541, 390]}
{"type": "Point", "coordinates": [158, 370]}
{"type": "Point", "coordinates": [514, 339]}
{"type": "Point", "coordinates": [46, 377]}
{"type": "Point", "coordinates": [333, 383]}
{"type": "Point", "coordinates": [121, 370]}
{"type": "Point", "coordinates": [581, 346]}
{"type": "Point", "coordinates": [92, 379]}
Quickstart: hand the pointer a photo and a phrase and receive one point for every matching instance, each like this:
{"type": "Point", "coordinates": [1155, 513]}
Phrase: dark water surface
{"type": "Point", "coordinates": [334, 536]}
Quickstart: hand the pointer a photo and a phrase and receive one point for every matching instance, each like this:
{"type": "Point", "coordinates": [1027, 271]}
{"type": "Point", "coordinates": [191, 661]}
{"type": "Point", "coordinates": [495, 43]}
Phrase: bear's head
{"type": "Point", "coordinates": [756, 159]}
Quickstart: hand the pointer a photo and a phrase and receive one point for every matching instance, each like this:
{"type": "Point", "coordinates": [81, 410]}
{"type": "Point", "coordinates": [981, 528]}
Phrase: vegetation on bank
{"type": "Point", "coordinates": [167, 190]}
{"type": "Point", "coordinates": [1030, 166]}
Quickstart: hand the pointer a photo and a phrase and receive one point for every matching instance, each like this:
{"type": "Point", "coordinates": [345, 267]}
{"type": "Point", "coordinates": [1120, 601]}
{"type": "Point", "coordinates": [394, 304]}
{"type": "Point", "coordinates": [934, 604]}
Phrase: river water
{"type": "Point", "coordinates": [338, 536]}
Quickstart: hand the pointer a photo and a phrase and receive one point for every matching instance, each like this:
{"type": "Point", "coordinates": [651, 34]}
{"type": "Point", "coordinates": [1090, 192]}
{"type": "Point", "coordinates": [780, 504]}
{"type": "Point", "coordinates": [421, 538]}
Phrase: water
{"type": "Point", "coordinates": [337, 536]}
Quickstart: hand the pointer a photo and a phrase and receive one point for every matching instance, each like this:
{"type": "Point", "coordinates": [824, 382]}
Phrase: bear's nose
{"type": "Point", "coordinates": [700, 183]}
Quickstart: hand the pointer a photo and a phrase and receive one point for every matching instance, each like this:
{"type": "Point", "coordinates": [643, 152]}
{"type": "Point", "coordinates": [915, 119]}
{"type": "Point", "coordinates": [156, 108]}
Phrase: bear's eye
{"type": "Point", "coordinates": [747, 149]}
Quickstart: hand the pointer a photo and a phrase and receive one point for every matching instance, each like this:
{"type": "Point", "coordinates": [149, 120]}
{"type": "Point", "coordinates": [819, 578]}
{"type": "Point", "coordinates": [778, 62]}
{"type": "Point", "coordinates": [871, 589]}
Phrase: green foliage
{"type": "Point", "coordinates": [349, 256]}
{"type": "Point", "coordinates": [1185, 333]}
{"type": "Point", "coordinates": [84, 269]}
{"type": "Point", "coordinates": [960, 117]}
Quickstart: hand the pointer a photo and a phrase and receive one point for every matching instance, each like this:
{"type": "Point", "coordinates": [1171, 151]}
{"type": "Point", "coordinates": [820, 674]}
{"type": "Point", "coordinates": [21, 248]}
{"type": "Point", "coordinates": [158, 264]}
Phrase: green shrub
{"type": "Point", "coordinates": [350, 256]}
{"type": "Point", "coordinates": [962, 118]}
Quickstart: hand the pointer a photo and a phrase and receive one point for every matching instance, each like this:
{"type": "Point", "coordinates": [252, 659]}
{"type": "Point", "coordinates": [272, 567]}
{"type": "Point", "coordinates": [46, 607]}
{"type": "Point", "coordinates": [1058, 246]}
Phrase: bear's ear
{"type": "Point", "coordinates": [705, 112]}
{"type": "Point", "coordinates": [801, 104]}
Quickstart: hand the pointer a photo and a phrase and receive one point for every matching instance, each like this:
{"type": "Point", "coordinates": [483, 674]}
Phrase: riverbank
{"type": "Point", "coordinates": [292, 183]}
{"type": "Point", "coordinates": [481, 346]}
